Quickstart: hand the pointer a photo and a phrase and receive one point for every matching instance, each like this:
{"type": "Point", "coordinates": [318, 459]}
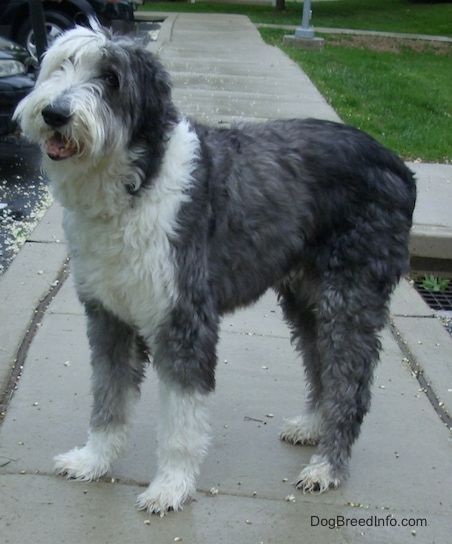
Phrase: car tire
{"type": "Point", "coordinates": [56, 23]}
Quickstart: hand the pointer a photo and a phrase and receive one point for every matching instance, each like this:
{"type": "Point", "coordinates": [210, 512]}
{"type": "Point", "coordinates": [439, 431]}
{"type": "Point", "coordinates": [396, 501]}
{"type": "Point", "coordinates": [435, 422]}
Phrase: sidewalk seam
{"type": "Point", "coordinates": [418, 373]}
{"type": "Point", "coordinates": [22, 352]}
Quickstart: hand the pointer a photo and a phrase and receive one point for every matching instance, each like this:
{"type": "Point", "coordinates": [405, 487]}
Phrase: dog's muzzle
{"type": "Point", "coordinates": [58, 146]}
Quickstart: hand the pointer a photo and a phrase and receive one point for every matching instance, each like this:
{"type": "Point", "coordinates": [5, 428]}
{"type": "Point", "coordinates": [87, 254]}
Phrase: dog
{"type": "Point", "coordinates": [171, 224]}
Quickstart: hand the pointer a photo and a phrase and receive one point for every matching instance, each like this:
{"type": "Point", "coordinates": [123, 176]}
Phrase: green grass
{"type": "Point", "coordinates": [401, 98]}
{"type": "Point", "coordinates": [383, 15]}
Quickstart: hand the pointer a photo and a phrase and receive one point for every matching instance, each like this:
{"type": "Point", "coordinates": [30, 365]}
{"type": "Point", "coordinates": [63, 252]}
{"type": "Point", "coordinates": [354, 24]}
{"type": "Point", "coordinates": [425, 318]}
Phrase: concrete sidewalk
{"type": "Point", "coordinates": [401, 477]}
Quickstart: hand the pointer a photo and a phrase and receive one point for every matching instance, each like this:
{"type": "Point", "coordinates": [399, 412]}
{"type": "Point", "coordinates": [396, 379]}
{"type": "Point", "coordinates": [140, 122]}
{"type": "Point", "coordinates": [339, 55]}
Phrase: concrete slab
{"type": "Point", "coordinates": [260, 382]}
{"type": "Point", "coordinates": [314, 43]}
{"type": "Point", "coordinates": [49, 229]}
{"type": "Point", "coordinates": [214, 81]}
{"type": "Point", "coordinates": [426, 341]}
{"type": "Point", "coordinates": [201, 105]}
{"type": "Point", "coordinates": [431, 346]}
{"type": "Point", "coordinates": [95, 515]}
{"type": "Point", "coordinates": [432, 231]}
{"type": "Point", "coordinates": [406, 301]}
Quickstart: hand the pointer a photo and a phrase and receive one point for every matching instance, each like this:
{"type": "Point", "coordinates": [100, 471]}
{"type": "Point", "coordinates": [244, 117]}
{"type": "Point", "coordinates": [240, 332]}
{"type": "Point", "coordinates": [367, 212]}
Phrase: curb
{"type": "Point", "coordinates": [376, 33]}
{"type": "Point", "coordinates": [427, 347]}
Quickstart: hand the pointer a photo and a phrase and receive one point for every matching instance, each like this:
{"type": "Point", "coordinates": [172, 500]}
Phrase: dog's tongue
{"type": "Point", "coordinates": [58, 148]}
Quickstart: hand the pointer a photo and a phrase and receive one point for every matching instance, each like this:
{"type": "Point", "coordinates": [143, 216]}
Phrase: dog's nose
{"type": "Point", "coordinates": [56, 115]}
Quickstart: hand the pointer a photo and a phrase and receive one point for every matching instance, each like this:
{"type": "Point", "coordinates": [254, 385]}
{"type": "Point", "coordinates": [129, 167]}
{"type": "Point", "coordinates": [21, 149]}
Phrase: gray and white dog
{"type": "Point", "coordinates": [171, 224]}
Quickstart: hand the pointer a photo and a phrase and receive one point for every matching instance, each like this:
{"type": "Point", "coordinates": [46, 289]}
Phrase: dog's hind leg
{"type": "Point", "coordinates": [348, 320]}
{"type": "Point", "coordinates": [118, 359]}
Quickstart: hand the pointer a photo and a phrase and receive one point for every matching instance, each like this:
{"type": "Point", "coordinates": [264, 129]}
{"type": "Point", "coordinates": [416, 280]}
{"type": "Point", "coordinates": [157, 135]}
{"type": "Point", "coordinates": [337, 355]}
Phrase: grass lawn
{"type": "Point", "coordinates": [387, 15]}
{"type": "Point", "coordinates": [397, 91]}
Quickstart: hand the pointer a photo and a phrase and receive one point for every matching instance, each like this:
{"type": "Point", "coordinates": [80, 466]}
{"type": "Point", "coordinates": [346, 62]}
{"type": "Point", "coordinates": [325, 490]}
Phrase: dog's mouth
{"type": "Point", "coordinates": [59, 147]}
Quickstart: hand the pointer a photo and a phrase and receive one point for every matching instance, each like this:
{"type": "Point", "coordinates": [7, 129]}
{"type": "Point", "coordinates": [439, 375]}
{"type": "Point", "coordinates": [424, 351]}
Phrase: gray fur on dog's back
{"type": "Point", "coordinates": [269, 196]}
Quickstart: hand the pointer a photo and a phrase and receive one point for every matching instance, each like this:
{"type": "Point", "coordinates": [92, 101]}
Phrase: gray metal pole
{"type": "Point", "coordinates": [305, 31]}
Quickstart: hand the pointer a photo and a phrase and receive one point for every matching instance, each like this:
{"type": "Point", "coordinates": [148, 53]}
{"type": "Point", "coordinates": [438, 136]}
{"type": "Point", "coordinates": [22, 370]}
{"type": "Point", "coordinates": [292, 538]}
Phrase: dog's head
{"type": "Point", "coordinates": [97, 95]}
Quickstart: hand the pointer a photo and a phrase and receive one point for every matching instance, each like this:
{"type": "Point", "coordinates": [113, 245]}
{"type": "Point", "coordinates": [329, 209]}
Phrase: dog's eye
{"type": "Point", "coordinates": [111, 79]}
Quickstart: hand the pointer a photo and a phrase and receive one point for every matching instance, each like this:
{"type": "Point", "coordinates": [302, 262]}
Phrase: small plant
{"type": "Point", "coordinates": [432, 283]}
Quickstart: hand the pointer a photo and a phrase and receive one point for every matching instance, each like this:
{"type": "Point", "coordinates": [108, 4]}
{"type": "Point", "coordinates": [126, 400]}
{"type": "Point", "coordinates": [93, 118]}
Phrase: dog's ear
{"type": "Point", "coordinates": [155, 109]}
{"type": "Point", "coordinates": [152, 111]}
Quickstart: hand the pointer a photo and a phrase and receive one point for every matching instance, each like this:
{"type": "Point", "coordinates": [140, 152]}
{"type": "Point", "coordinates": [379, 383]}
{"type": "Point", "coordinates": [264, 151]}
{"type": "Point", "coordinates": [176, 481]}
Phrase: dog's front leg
{"type": "Point", "coordinates": [185, 359]}
{"type": "Point", "coordinates": [183, 439]}
{"type": "Point", "coordinates": [118, 359]}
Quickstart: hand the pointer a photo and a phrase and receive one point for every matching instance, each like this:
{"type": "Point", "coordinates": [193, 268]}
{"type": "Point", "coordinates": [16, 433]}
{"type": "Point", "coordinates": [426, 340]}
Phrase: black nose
{"type": "Point", "coordinates": [56, 115]}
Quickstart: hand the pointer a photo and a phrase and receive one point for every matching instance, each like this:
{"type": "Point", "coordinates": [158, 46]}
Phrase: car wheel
{"type": "Point", "coordinates": [56, 23]}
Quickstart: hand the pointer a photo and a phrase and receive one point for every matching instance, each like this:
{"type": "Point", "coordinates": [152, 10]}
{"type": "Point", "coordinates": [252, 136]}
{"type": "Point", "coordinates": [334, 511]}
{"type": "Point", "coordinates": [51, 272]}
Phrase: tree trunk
{"type": "Point", "coordinates": [280, 5]}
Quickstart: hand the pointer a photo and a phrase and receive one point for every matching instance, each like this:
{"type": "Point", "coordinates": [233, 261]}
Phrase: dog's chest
{"type": "Point", "coordinates": [126, 263]}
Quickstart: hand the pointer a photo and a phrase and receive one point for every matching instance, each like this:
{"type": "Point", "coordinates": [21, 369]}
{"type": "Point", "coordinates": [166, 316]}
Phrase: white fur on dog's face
{"type": "Point", "coordinates": [102, 114]}
{"type": "Point", "coordinates": [72, 75]}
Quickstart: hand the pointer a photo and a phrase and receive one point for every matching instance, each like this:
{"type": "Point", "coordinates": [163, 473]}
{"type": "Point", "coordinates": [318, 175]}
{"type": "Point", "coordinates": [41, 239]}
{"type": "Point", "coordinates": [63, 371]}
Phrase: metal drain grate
{"type": "Point", "coordinates": [437, 300]}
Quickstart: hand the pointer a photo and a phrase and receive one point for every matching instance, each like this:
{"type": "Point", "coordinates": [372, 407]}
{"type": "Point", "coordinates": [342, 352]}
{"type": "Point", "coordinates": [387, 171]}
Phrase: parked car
{"type": "Point", "coordinates": [16, 80]}
{"type": "Point", "coordinates": [63, 14]}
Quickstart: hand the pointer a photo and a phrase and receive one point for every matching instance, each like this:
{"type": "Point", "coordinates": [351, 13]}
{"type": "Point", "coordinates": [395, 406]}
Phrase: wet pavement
{"type": "Point", "coordinates": [24, 195]}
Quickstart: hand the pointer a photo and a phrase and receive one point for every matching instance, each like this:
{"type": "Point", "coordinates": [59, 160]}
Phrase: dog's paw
{"type": "Point", "coordinates": [317, 477]}
{"type": "Point", "coordinates": [163, 496]}
{"type": "Point", "coordinates": [80, 464]}
{"type": "Point", "coordinates": [304, 430]}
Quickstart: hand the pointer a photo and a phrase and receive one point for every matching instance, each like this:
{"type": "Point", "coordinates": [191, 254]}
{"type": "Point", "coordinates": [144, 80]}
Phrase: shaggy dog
{"type": "Point", "coordinates": [171, 224]}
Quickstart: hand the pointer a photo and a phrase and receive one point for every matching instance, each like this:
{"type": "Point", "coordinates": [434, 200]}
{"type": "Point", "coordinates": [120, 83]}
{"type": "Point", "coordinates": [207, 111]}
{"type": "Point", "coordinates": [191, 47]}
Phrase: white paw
{"type": "Point", "coordinates": [164, 495]}
{"type": "Point", "coordinates": [80, 464]}
{"type": "Point", "coordinates": [317, 477]}
{"type": "Point", "coordinates": [305, 430]}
